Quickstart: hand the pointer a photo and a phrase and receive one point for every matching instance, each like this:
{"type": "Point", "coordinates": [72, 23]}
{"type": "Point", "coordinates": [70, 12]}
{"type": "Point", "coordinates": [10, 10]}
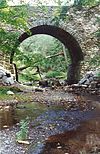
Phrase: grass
{"type": "Point", "coordinates": [21, 97]}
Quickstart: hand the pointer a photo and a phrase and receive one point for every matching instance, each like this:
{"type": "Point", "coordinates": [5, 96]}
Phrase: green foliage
{"type": "Point", "coordinates": [59, 14]}
{"type": "Point", "coordinates": [35, 52]}
{"type": "Point", "coordinates": [97, 33]}
{"type": "Point", "coordinates": [7, 40]}
{"type": "Point", "coordinates": [3, 3]}
{"type": "Point", "coordinates": [4, 89]}
{"type": "Point", "coordinates": [28, 59]}
{"type": "Point", "coordinates": [12, 20]}
{"type": "Point", "coordinates": [55, 74]}
{"type": "Point", "coordinates": [23, 133]}
{"type": "Point", "coordinates": [80, 3]}
{"type": "Point", "coordinates": [98, 75]}
{"type": "Point", "coordinates": [28, 76]}
{"type": "Point", "coordinates": [14, 16]}
{"type": "Point", "coordinates": [95, 61]}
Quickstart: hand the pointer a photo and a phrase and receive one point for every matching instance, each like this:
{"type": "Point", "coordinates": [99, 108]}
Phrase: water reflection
{"type": "Point", "coordinates": [10, 115]}
{"type": "Point", "coordinates": [7, 116]}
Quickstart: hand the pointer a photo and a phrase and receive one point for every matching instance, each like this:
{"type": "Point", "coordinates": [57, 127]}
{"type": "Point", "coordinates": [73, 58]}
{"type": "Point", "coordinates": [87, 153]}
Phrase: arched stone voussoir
{"type": "Point", "coordinates": [66, 38]}
{"type": "Point", "coordinates": [70, 43]}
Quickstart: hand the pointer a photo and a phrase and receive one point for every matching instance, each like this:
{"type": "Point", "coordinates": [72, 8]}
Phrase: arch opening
{"type": "Point", "coordinates": [75, 52]}
{"type": "Point", "coordinates": [41, 57]}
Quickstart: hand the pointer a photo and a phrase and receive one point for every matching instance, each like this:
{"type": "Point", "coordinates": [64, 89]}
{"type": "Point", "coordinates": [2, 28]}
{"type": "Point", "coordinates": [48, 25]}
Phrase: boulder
{"type": "Point", "coordinates": [10, 93]}
{"type": "Point", "coordinates": [6, 77]}
{"type": "Point", "coordinates": [89, 77]}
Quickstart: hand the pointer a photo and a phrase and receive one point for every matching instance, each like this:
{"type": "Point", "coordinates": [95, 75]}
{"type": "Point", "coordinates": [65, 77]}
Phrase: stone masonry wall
{"type": "Point", "coordinates": [81, 24]}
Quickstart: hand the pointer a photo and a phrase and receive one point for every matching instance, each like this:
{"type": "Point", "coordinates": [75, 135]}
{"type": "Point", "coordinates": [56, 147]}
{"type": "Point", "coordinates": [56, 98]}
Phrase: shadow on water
{"type": "Point", "coordinates": [83, 140]}
{"type": "Point", "coordinates": [69, 132]}
{"type": "Point", "coordinates": [7, 117]}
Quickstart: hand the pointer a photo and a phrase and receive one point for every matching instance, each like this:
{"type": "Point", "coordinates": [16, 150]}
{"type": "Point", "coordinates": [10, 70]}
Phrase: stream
{"type": "Point", "coordinates": [56, 130]}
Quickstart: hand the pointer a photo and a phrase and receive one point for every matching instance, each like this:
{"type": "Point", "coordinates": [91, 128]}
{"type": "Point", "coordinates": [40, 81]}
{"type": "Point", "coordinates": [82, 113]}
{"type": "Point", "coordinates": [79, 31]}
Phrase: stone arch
{"type": "Point", "coordinates": [68, 40]}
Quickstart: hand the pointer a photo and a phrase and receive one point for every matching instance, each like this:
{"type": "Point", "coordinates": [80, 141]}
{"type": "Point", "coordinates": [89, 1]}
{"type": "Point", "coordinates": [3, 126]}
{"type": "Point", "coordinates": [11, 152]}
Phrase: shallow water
{"type": "Point", "coordinates": [83, 140]}
{"type": "Point", "coordinates": [67, 132]}
{"type": "Point", "coordinates": [10, 115]}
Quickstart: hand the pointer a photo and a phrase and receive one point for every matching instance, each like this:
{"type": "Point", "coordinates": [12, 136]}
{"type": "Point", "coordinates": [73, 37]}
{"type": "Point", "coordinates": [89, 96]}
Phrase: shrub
{"type": "Point", "coordinates": [23, 132]}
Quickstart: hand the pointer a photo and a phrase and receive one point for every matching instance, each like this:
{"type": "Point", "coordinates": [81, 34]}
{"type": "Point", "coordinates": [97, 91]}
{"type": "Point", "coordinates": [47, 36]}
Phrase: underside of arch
{"type": "Point", "coordinates": [68, 40]}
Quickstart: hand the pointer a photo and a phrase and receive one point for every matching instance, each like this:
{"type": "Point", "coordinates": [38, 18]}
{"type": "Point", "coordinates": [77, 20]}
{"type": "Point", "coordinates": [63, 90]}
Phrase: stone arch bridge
{"type": "Point", "coordinates": [68, 40]}
{"type": "Point", "coordinates": [79, 27]}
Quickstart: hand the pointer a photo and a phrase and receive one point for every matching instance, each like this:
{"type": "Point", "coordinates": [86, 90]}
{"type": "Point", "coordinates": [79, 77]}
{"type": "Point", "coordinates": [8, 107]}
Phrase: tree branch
{"type": "Point", "coordinates": [58, 54]}
{"type": "Point", "coordinates": [22, 68]}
